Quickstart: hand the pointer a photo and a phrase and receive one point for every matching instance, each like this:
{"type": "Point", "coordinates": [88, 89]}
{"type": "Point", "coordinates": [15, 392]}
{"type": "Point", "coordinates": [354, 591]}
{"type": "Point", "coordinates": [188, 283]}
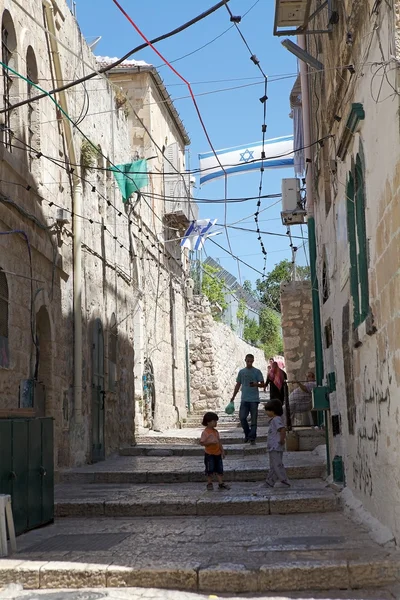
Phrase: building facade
{"type": "Point", "coordinates": [354, 192]}
{"type": "Point", "coordinates": [92, 298]}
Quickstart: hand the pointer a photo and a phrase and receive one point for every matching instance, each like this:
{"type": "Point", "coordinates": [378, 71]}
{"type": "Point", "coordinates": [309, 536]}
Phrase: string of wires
{"type": "Point", "coordinates": [199, 115]}
{"type": "Point", "coordinates": [110, 66]}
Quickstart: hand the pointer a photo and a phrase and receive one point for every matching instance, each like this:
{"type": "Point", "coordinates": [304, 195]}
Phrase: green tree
{"type": "Point", "coordinates": [241, 311]}
{"type": "Point", "coordinates": [247, 285]}
{"type": "Point", "coordinates": [251, 331]}
{"type": "Point", "coordinates": [212, 287]}
{"type": "Point", "coordinates": [269, 288]}
{"type": "Point", "coordinates": [270, 332]}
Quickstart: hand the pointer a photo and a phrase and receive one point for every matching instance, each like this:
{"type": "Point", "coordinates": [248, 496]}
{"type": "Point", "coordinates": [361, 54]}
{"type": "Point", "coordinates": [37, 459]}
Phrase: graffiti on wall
{"type": "Point", "coordinates": [375, 402]}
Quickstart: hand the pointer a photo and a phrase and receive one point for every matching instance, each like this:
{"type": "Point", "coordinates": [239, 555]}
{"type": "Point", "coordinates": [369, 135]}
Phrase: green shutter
{"type": "Point", "coordinates": [351, 229]}
{"type": "Point", "coordinates": [362, 258]}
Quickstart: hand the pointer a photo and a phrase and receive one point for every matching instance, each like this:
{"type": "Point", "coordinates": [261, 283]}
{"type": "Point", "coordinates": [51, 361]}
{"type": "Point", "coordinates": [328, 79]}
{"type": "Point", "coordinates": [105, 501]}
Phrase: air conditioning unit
{"type": "Point", "coordinates": [290, 194]}
{"type": "Point", "coordinates": [292, 211]}
{"type": "Point", "coordinates": [291, 13]}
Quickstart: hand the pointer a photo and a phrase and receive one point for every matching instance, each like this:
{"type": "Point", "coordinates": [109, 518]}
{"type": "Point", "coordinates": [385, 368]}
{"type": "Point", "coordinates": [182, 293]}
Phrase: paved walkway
{"type": "Point", "coordinates": [13, 593]}
{"type": "Point", "coordinates": [216, 554]}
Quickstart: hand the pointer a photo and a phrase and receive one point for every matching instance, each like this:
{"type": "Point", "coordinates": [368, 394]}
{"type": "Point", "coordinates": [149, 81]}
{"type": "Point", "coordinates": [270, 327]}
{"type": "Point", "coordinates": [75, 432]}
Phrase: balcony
{"type": "Point", "coordinates": [294, 17]}
{"type": "Point", "coordinates": [180, 207]}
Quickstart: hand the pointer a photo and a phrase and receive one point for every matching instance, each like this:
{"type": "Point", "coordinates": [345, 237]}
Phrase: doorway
{"type": "Point", "coordinates": [98, 393]}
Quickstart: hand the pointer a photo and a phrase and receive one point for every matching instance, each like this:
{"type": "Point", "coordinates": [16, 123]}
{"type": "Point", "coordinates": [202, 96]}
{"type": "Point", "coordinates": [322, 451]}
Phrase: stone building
{"type": "Point", "coordinates": [353, 192]}
{"type": "Point", "coordinates": [92, 298]}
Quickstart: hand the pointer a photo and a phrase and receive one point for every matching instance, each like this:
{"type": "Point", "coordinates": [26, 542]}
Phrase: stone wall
{"type": "Point", "coordinates": [363, 355]}
{"type": "Point", "coordinates": [297, 330]}
{"type": "Point", "coordinates": [216, 355]}
{"type": "Point", "coordinates": [132, 288]}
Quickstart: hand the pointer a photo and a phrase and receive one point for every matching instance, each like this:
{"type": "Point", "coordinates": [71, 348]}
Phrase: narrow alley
{"type": "Point", "coordinates": [200, 300]}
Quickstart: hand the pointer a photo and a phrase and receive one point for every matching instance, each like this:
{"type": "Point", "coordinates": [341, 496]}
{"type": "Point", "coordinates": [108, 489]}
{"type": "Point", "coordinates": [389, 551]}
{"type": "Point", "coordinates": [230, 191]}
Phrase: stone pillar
{"type": "Point", "coordinates": [297, 329]}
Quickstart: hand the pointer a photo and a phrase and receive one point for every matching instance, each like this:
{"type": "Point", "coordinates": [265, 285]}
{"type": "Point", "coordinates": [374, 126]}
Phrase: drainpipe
{"type": "Point", "coordinates": [319, 358]}
{"type": "Point", "coordinates": [77, 210]}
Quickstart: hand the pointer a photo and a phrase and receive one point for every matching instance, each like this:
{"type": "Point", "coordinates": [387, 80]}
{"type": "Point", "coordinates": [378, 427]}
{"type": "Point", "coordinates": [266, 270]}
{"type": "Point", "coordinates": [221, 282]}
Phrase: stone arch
{"type": "Point", "coordinates": [44, 364]}
{"type": "Point", "coordinates": [9, 83]}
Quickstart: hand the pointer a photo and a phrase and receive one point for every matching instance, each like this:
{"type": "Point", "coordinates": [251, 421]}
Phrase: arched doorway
{"type": "Point", "coordinates": [43, 364]}
{"type": "Point", "coordinates": [98, 392]}
{"type": "Point", "coordinates": [149, 393]}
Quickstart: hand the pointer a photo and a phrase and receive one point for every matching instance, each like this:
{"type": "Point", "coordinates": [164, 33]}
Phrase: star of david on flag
{"type": "Point", "coordinates": [197, 233]}
{"type": "Point", "coordinates": [246, 156]}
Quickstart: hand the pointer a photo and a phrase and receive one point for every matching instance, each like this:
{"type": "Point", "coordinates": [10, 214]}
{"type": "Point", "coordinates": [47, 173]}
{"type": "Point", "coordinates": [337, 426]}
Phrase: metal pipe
{"type": "Point", "coordinates": [319, 357]}
{"type": "Point", "coordinates": [77, 210]}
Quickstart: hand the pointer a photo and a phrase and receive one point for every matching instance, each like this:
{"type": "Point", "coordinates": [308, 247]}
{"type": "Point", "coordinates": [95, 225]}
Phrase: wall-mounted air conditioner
{"type": "Point", "coordinates": [292, 211]}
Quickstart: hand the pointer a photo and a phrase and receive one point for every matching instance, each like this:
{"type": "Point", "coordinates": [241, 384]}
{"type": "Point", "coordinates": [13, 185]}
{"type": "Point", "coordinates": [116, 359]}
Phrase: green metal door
{"type": "Point", "coordinates": [19, 474]}
{"type": "Point", "coordinates": [47, 470]}
{"type": "Point", "coordinates": [34, 477]}
{"type": "Point", "coordinates": [5, 457]}
{"type": "Point", "coordinates": [98, 393]}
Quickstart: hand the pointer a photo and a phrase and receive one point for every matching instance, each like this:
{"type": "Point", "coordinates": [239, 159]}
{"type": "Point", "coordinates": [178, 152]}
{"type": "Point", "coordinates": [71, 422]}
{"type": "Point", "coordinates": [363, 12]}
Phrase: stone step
{"type": "Point", "coordinates": [229, 438]}
{"type": "Point", "coordinates": [177, 469]}
{"type": "Point", "coordinates": [94, 500]}
{"type": "Point", "coordinates": [214, 554]}
{"type": "Point", "coordinates": [180, 450]}
{"type": "Point", "coordinates": [309, 438]}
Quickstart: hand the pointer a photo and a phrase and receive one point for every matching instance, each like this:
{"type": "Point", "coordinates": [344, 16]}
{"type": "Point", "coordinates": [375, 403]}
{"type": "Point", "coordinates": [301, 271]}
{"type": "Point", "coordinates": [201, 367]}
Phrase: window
{"type": "Point", "coordinates": [4, 353]}
{"type": "Point", "coordinates": [8, 47]}
{"type": "Point", "coordinates": [112, 354]}
{"type": "Point", "coordinates": [357, 237]}
{"type": "Point", "coordinates": [33, 120]}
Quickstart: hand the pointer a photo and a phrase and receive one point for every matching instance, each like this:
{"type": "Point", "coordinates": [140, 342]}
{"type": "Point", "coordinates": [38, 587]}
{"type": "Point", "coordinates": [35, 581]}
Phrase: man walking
{"type": "Point", "coordinates": [249, 379]}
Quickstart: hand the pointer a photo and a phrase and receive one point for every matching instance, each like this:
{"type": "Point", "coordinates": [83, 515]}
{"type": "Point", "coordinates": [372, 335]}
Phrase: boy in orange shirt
{"type": "Point", "coordinates": [214, 452]}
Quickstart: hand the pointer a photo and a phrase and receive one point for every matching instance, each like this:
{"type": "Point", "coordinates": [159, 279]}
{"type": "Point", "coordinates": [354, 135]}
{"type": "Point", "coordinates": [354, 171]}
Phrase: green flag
{"type": "Point", "coordinates": [131, 177]}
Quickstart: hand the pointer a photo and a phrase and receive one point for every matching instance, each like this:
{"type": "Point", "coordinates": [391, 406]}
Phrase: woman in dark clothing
{"type": "Point", "coordinates": [276, 379]}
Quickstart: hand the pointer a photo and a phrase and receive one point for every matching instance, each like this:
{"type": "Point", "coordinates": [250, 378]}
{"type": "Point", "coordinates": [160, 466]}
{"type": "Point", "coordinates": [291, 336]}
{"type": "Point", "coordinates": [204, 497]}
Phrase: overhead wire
{"type": "Point", "coordinates": [209, 42]}
{"type": "Point", "coordinates": [199, 115]}
{"type": "Point", "coordinates": [110, 66]}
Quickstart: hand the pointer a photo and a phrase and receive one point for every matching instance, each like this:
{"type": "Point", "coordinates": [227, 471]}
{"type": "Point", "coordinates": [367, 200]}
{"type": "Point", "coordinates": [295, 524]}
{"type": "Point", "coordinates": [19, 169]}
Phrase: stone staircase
{"type": "Point", "coordinates": [145, 519]}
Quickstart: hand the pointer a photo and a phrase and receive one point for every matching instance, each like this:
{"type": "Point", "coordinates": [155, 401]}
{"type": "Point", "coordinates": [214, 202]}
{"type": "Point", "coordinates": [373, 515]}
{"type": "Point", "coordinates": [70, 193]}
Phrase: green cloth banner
{"type": "Point", "coordinates": [131, 177]}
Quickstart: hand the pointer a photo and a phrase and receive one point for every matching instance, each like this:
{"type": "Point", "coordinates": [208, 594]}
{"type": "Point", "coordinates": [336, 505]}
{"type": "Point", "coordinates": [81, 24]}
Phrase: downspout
{"type": "Point", "coordinates": [319, 358]}
{"type": "Point", "coordinates": [77, 210]}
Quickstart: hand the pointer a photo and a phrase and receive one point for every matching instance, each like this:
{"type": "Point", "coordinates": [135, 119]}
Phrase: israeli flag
{"type": "Point", "coordinates": [241, 159]}
{"type": "Point", "coordinates": [197, 233]}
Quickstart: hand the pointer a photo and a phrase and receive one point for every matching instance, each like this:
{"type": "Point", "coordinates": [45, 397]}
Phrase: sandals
{"type": "Point", "coordinates": [224, 486]}
{"type": "Point", "coordinates": [210, 487]}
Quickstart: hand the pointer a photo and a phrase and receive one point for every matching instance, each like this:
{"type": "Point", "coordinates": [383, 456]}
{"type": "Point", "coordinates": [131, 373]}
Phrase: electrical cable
{"type": "Point", "coordinates": [120, 60]}
{"type": "Point", "coordinates": [142, 35]}
{"type": "Point", "coordinates": [210, 42]}
{"type": "Point", "coordinates": [264, 232]}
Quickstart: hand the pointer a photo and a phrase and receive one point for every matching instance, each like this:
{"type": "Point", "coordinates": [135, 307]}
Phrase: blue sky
{"type": "Point", "coordinates": [232, 117]}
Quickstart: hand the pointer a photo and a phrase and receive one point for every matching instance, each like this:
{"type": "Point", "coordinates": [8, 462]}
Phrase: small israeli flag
{"type": "Point", "coordinates": [197, 233]}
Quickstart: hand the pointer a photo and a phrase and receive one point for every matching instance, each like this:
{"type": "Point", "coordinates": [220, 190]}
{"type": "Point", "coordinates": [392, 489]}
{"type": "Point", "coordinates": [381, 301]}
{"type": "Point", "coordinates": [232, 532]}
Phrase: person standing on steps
{"type": "Point", "coordinates": [276, 379]}
{"type": "Point", "coordinates": [249, 379]}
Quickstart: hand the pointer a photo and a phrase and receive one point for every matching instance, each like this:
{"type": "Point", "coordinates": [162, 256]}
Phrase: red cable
{"type": "Point", "coordinates": [176, 73]}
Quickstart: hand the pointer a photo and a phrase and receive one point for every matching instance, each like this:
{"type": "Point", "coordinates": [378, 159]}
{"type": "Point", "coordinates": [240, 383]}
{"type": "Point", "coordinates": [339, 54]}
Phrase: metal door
{"type": "Point", "coordinates": [98, 450]}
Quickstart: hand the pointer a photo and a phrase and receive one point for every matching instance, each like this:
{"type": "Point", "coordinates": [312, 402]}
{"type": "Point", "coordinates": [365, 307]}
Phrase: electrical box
{"type": "Point", "coordinates": [320, 398]}
{"type": "Point", "coordinates": [292, 211]}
